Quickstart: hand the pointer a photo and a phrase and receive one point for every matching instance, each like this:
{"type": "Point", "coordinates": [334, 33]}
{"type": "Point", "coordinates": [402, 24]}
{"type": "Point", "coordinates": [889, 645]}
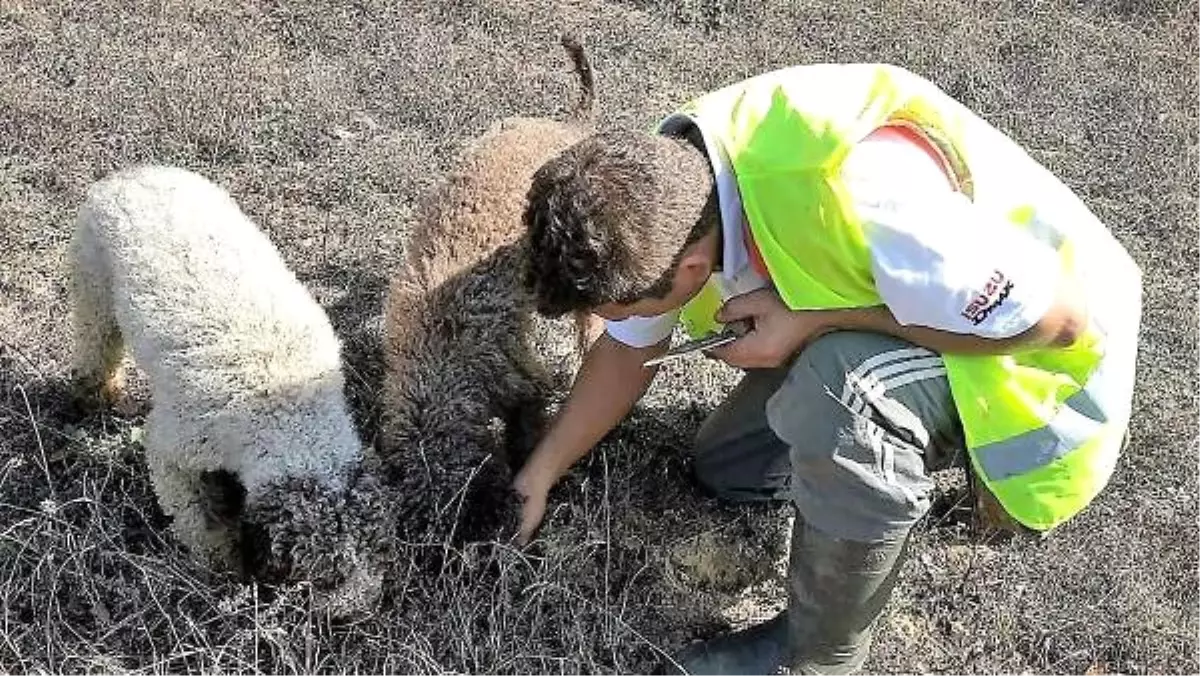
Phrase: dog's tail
{"type": "Point", "coordinates": [585, 109]}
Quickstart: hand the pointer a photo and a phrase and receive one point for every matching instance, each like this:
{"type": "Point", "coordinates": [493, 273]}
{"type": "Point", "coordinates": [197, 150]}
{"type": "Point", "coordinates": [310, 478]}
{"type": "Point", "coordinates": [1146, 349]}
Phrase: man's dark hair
{"type": "Point", "coordinates": [608, 219]}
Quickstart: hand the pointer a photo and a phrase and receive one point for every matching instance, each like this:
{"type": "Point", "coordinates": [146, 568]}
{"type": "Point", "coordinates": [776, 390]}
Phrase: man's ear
{"type": "Point", "coordinates": [696, 263]}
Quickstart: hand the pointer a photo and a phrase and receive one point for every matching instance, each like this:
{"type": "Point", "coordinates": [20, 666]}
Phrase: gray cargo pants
{"type": "Point", "coordinates": [849, 431]}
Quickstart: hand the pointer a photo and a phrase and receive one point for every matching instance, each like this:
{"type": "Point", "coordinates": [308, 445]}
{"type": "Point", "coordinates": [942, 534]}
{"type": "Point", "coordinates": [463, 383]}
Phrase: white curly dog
{"type": "Point", "coordinates": [249, 441]}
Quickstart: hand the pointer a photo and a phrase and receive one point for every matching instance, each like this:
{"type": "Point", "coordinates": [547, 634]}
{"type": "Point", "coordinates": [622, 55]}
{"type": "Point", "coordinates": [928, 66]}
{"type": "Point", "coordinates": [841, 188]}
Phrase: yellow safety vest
{"type": "Point", "coordinates": [1035, 435]}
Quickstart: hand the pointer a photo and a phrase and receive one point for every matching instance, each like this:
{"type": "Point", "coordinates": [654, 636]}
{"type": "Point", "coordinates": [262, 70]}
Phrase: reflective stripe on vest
{"type": "Point", "coordinates": [1077, 420]}
{"type": "Point", "coordinates": [1034, 421]}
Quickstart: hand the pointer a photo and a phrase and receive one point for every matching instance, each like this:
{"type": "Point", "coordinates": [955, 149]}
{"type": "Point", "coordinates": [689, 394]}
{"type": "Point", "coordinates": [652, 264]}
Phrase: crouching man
{"type": "Point", "coordinates": [918, 291]}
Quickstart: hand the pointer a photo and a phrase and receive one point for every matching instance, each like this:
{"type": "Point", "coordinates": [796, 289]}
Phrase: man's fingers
{"type": "Point", "coordinates": [736, 308]}
{"type": "Point", "coordinates": [728, 349]}
{"type": "Point", "coordinates": [745, 306]}
{"type": "Point", "coordinates": [734, 354]}
{"type": "Point", "coordinates": [525, 533]}
{"type": "Point", "coordinates": [721, 353]}
{"type": "Point", "coordinates": [532, 514]}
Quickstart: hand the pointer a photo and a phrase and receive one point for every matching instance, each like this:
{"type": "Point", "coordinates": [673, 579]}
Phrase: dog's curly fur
{"type": "Point", "coordinates": [249, 442]}
{"type": "Point", "coordinates": [340, 541]}
{"type": "Point", "coordinates": [470, 364]}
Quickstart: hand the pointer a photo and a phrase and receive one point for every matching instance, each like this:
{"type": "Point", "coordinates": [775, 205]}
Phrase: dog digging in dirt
{"type": "Point", "coordinates": [249, 442]}
{"type": "Point", "coordinates": [471, 367]}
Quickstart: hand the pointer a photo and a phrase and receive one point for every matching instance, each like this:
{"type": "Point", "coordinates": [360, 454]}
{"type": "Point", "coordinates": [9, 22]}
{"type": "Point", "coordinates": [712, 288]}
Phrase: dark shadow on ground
{"type": "Point", "coordinates": [357, 318]}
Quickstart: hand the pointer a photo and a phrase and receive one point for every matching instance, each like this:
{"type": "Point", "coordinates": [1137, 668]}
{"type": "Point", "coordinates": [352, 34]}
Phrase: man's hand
{"type": "Point", "coordinates": [608, 384]}
{"type": "Point", "coordinates": [533, 505]}
{"type": "Point", "coordinates": [777, 332]}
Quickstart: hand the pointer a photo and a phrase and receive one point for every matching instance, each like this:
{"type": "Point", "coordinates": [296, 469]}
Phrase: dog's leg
{"type": "Point", "coordinates": [97, 344]}
{"type": "Point", "coordinates": [525, 424]}
{"type": "Point", "coordinates": [224, 497]}
{"type": "Point", "coordinates": [183, 494]}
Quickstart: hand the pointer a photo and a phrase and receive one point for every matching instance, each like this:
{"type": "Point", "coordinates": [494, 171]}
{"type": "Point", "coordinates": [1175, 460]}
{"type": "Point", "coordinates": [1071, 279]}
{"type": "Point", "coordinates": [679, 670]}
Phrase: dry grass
{"type": "Point", "coordinates": [326, 119]}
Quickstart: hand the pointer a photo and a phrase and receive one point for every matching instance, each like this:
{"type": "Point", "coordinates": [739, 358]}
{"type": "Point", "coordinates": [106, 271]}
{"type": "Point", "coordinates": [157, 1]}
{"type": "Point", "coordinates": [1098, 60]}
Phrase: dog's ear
{"type": "Point", "coordinates": [260, 556]}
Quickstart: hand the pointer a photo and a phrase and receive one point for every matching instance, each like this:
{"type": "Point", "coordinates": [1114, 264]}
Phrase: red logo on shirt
{"type": "Point", "coordinates": [983, 304]}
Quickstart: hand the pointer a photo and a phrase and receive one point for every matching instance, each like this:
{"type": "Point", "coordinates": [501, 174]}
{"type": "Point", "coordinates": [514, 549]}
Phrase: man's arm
{"type": "Point", "coordinates": [610, 381]}
{"type": "Point", "coordinates": [1062, 324]}
{"type": "Point", "coordinates": [779, 332]}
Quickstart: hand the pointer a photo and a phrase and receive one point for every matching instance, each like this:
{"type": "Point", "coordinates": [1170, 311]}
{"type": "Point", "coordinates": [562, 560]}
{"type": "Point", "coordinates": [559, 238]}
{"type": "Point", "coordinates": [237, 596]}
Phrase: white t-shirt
{"type": "Point", "coordinates": [938, 260]}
